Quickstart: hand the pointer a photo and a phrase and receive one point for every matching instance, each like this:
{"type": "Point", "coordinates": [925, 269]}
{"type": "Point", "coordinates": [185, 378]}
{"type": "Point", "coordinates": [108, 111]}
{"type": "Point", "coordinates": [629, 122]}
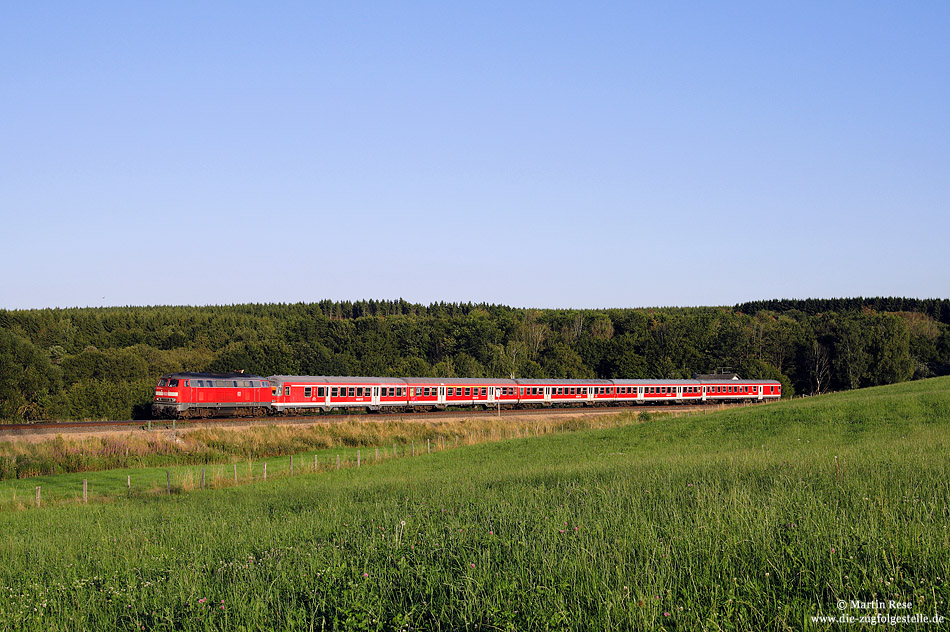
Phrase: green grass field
{"type": "Point", "coordinates": [752, 519]}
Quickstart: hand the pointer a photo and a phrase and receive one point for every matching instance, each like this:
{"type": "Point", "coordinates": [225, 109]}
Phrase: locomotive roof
{"type": "Point", "coordinates": [213, 376]}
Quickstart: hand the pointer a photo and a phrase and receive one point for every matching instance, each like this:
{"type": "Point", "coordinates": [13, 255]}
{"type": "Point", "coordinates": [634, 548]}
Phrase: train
{"type": "Point", "coordinates": [204, 395]}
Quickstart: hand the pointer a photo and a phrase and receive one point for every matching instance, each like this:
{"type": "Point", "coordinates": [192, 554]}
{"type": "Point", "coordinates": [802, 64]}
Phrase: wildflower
{"type": "Point", "coordinates": [473, 565]}
{"type": "Point", "coordinates": [832, 550]}
{"type": "Point", "coordinates": [666, 614]}
{"type": "Point", "coordinates": [365, 574]}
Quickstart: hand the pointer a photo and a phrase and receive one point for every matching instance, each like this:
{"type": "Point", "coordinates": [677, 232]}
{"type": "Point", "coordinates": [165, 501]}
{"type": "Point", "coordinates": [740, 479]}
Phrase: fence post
{"type": "Point", "coordinates": [128, 483]}
{"type": "Point", "coordinates": [168, 481]}
{"type": "Point", "coordinates": [291, 464]}
{"type": "Point", "coordinates": [85, 491]}
{"type": "Point", "coordinates": [314, 462]}
{"type": "Point", "coordinates": [37, 495]}
{"type": "Point", "coordinates": [337, 461]}
{"type": "Point", "coordinates": [235, 473]}
{"type": "Point", "coordinates": [429, 446]}
{"type": "Point", "coordinates": [357, 458]}
{"type": "Point", "coordinates": [202, 478]}
{"type": "Point", "coordinates": [394, 450]}
{"type": "Point", "coordinates": [377, 455]}
{"type": "Point", "coordinates": [265, 470]}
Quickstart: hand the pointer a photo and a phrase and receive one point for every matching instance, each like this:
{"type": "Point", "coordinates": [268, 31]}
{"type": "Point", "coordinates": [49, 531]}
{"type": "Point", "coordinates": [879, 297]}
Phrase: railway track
{"type": "Point", "coordinates": [52, 427]}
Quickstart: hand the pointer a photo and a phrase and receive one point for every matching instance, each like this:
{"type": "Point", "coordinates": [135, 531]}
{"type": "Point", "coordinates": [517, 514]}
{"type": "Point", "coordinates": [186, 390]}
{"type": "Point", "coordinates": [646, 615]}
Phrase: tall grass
{"type": "Point", "coordinates": [61, 455]}
{"type": "Point", "coordinates": [748, 520]}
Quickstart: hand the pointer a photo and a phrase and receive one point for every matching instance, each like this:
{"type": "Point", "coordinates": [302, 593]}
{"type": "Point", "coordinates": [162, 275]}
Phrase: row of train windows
{"type": "Point", "coordinates": [729, 389]}
{"type": "Point", "coordinates": [213, 383]}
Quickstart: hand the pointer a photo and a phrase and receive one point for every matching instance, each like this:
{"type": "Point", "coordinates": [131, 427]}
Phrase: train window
{"type": "Point", "coordinates": [426, 391]}
{"type": "Point", "coordinates": [308, 391]}
{"type": "Point", "coordinates": [352, 392]}
{"type": "Point", "coordinates": [468, 391]}
{"type": "Point", "coordinates": [163, 382]}
{"type": "Point", "coordinates": [321, 392]}
{"type": "Point", "coordinates": [450, 392]}
{"type": "Point", "coordinates": [484, 392]}
{"type": "Point", "coordinates": [173, 382]}
{"type": "Point", "coordinates": [334, 392]}
{"type": "Point", "coordinates": [287, 391]}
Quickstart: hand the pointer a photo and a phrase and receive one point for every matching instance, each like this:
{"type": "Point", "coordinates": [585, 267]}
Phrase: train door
{"type": "Point", "coordinates": [760, 392]}
{"type": "Point", "coordinates": [491, 394]}
{"type": "Point", "coordinates": [375, 396]}
{"type": "Point", "coordinates": [442, 394]}
{"type": "Point", "coordinates": [679, 392]}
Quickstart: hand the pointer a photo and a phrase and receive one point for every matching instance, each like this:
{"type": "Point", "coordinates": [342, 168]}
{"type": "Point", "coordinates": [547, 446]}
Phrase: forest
{"type": "Point", "coordinates": [103, 363]}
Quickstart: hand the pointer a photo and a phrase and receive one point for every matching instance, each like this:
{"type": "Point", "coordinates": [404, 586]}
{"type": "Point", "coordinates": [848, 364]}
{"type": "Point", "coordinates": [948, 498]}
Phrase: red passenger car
{"type": "Point", "coordinates": [294, 393]}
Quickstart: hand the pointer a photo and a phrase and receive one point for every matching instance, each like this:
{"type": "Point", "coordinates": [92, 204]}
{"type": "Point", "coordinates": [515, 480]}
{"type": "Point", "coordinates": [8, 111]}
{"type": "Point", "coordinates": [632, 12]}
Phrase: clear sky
{"type": "Point", "coordinates": [541, 154]}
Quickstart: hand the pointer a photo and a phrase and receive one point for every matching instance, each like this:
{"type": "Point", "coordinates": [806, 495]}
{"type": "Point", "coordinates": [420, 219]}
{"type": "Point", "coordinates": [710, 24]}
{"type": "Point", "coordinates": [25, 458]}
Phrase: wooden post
{"type": "Point", "coordinates": [394, 449]}
{"type": "Point", "coordinates": [150, 425]}
{"type": "Point", "coordinates": [357, 458]}
{"type": "Point", "coordinates": [37, 495]}
{"type": "Point", "coordinates": [377, 455]}
{"type": "Point", "coordinates": [291, 464]}
{"type": "Point", "coordinates": [235, 473]}
{"type": "Point", "coordinates": [168, 481]}
{"type": "Point", "coordinates": [128, 483]}
{"type": "Point", "coordinates": [413, 448]}
{"type": "Point", "coordinates": [337, 461]}
{"type": "Point", "coordinates": [265, 470]}
{"type": "Point", "coordinates": [428, 446]}
{"type": "Point", "coordinates": [85, 491]}
{"type": "Point", "coordinates": [314, 462]}
{"type": "Point", "coordinates": [202, 478]}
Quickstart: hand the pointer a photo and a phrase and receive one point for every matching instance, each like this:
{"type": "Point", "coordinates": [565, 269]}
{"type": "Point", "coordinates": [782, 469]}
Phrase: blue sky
{"type": "Point", "coordinates": [539, 154]}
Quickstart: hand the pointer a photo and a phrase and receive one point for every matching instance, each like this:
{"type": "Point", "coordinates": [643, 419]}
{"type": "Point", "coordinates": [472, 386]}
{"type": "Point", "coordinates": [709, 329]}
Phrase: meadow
{"type": "Point", "coordinates": [753, 519]}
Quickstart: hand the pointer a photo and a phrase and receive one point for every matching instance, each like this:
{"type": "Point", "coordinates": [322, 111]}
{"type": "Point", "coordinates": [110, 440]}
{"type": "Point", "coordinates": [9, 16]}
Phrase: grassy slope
{"type": "Point", "coordinates": [739, 520]}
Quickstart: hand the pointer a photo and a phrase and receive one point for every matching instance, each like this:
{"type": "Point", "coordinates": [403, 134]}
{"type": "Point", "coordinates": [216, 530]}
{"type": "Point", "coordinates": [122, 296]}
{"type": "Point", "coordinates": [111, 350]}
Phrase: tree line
{"type": "Point", "coordinates": [83, 363]}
